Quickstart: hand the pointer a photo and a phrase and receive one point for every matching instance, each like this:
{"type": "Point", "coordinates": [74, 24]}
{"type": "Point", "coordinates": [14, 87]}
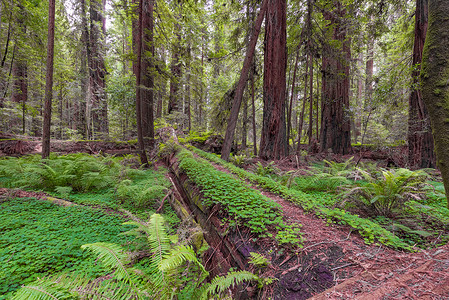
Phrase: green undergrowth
{"type": "Point", "coordinates": [241, 204]}
{"type": "Point", "coordinates": [93, 180]}
{"type": "Point", "coordinates": [39, 239]}
{"type": "Point", "coordinates": [368, 229]}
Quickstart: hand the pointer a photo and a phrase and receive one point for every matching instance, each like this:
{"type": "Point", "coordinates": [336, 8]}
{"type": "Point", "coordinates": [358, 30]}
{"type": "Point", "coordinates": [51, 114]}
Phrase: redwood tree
{"type": "Point", "coordinates": [273, 143]}
{"type": "Point", "coordinates": [420, 140]}
{"type": "Point", "coordinates": [48, 80]}
{"type": "Point", "coordinates": [138, 73]}
{"type": "Point", "coordinates": [147, 70]}
{"type": "Point", "coordinates": [335, 122]}
{"type": "Point", "coordinates": [435, 82]}
{"type": "Point", "coordinates": [97, 67]}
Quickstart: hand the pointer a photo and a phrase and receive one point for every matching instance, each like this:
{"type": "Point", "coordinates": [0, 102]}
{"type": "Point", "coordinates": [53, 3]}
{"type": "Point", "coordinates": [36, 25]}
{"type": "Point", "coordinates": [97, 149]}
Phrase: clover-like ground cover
{"type": "Point", "coordinates": [40, 238]}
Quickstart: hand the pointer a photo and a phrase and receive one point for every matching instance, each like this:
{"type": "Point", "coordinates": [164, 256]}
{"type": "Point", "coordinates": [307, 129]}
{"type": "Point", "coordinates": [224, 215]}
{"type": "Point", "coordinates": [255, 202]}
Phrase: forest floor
{"type": "Point", "coordinates": [336, 263]}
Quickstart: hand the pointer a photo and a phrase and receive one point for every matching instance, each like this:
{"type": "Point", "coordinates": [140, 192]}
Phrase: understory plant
{"type": "Point", "coordinates": [75, 172]}
{"type": "Point", "coordinates": [165, 278]}
{"type": "Point", "coordinates": [328, 177]}
{"type": "Point", "coordinates": [383, 195]}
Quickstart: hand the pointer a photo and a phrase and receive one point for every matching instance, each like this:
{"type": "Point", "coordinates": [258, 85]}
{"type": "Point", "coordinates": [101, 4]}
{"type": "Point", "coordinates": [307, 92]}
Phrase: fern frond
{"type": "Point", "coordinates": [43, 289]}
{"type": "Point", "coordinates": [112, 256]}
{"type": "Point", "coordinates": [178, 256]}
{"type": "Point", "coordinates": [221, 283]}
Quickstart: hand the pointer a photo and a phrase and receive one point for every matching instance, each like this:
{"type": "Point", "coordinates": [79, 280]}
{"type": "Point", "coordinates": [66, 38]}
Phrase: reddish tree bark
{"type": "Point", "coordinates": [97, 68]}
{"type": "Point", "coordinates": [48, 80]}
{"type": "Point", "coordinates": [176, 70]}
{"type": "Point", "coordinates": [233, 116]}
{"type": "Point", "coordinates": [420, 140]}
{"type": "Point", "coordinates": [147, 70]}
{"type": "Point", "coordinates": [335, 122]}
{"type": "Point", "coordinates": [137, 69]}
{"type": "Point", "coordinates": [273, 143]}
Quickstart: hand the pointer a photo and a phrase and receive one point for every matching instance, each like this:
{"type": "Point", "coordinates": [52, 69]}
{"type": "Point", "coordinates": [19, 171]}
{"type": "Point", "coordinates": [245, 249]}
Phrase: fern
{"type": "Point", "coordinates": [221, 283]}
{"type": "Point", "coordinates": [258, 260]}
{"type": "Point", "coordinates": [48, 289]}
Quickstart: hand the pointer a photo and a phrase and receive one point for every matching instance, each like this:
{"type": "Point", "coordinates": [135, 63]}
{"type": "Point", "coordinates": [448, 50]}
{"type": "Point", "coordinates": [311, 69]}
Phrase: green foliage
{"type": "Point", "coordinates": [328, 177]}
{"type": "Point", "coordinates": [40, 239]}
{"type": "Point", "coordinates": [81, 172]}
{"type": "Point", "coordinates": [221, 283]}
{"type": "Point", "coordinates": [291, 234]}
{"type": "Point", "coordinates": [269, 170]}
{"type": "Point", "coordinates": [242, 205]}
{"type": "Point", "coordinates": [164, 282]}
{"type": "Point", "coordinates": [239, 160]}
{"type": "Point", "coordinates": [258, 260]}
{"type": "Point", "coordinates": [368, 229]}
{"type": "Point", "coordinates": [142, 194]}
{"type": "Point", "coordinates": [382, 196]}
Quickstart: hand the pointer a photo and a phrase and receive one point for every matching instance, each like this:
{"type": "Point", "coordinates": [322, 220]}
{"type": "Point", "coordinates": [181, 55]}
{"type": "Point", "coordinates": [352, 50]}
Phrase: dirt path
{"type": "Point", "coordinates": [358, 271]}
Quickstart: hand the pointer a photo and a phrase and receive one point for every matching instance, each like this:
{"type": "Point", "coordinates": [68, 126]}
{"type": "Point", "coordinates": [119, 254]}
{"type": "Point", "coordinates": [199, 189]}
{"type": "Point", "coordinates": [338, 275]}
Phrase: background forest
{"type": "Point", "coordinates": [192, 57]}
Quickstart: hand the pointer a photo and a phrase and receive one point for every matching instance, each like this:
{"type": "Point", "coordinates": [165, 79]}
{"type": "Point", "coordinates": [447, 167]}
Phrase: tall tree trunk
{"type": "Point", "coordinates": [301, 115]}
{"type": "Point", "coordinates": [233, 116]}
{"type": "Point", "coordinates": [311, 100]}
{"type": "Point", "coordinates": [420, 140]}
{"type": "Point", "coordinates": [84, 78]}
{"type": "Point", "coordinates": [187, 110]}
{"type": "Point", "coordinates": [253, 96]}
{"type": "Point", "coordinates": [175, 104]}
{"type": "Point", "coordinates": [273, 143]}
{"type": "Point", "coordinates": [138, 70]}
{"type": "Point", "coordinates": [48, 80]}
{"type": "Point", "coordinates": [435, 83]}
{"type": "Point", "coordinates": [335, 124]}
{"type": "Point", "coordinates": [290, 110]}
{"type": "Point", "coordinates": [359, 100]}
{"type": "Point", "coordinates": [148, 71]}
{"type": "Point", "coordinates": [97, 67]}
{"type": "Point", "coordinates": [162, 86]}
{"type": "Point", "coordinates": [244, 123]}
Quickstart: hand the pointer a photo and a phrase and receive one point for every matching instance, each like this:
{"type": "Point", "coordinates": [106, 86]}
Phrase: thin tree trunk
{"type": "Point", "coordinates": [187, 108]}
{"type": "Point", "coordinates": [138, 65]}
{"type": "Point", "coordinates": [244, 123]}
{"type": "Point", "coordinates": [48, 80]}
{"type": "Point", "coordinates": [289, 120]}
{"type": "Point", "coordinates": [253, 96]}
{"type": "Point", "coordinates": [317, 111]}
{"type": "Point", "coordinates": [174, 104]}
{"type": "Point", "coordinates": [232, 121]}
{"type": "Point", "coordinates": [8, 38]}
{"type": "Point", "coordinates": [311, 100]}
{"type": "Point", "coordinates": [301, 116]}
{"type": "Point", "coordinates": [84, 78]}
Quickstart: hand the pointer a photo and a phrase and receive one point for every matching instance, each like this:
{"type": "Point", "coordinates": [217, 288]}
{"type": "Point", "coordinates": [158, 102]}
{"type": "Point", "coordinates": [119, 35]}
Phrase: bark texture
{"type": "Point", "coordinates": [435, 82]}
{"type": "Point", "coordinates": [335, 121]}
{"type": "Point", "coordinates": [147, 92]}
{"type": "Point", "coordinates": [420, 140]}
{"type": "Point", "coordinates": [97, 68]}
{"type": "Point", "coordinates": [138, 72]}
{"type": "Point", "coordinates": [48, 80]}
{"type": "Point", "coordinates": [273, 143]}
